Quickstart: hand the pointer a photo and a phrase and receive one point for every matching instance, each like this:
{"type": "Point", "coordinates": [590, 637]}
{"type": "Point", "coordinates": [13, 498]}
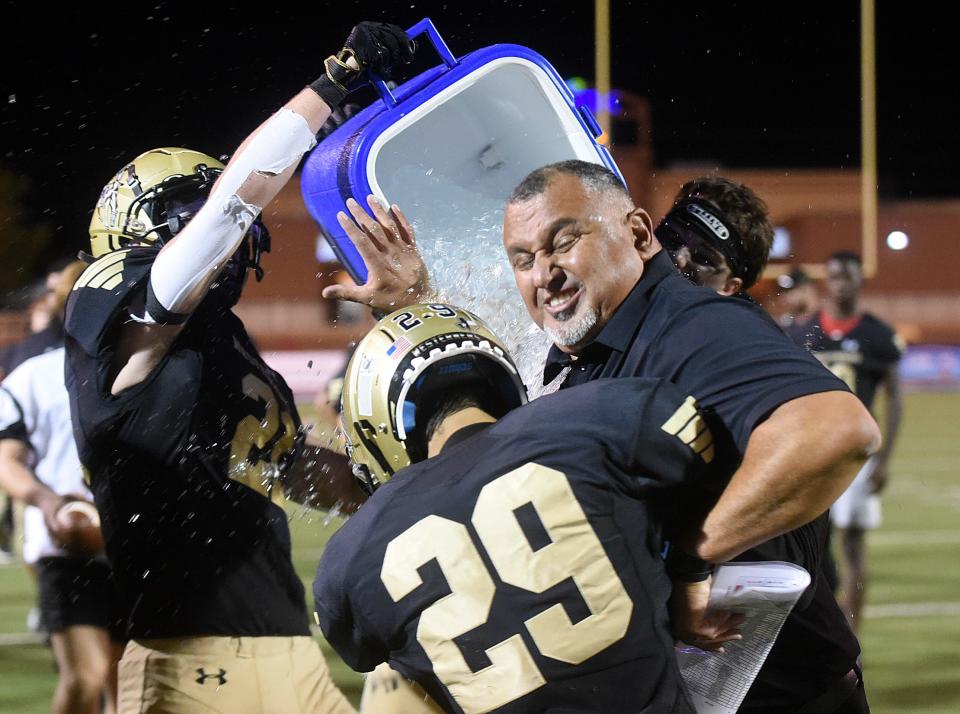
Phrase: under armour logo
{"type": "Point", "coordinates": [221, 676]}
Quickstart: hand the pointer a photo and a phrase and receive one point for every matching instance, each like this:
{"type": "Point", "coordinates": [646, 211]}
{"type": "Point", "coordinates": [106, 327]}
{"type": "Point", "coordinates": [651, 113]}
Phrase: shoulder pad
{"type": "Point", "coordinates": [105, 291]}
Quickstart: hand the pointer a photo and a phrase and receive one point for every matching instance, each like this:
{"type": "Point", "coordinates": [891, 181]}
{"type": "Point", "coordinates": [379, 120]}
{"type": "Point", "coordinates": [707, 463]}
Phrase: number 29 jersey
{"type": "Point", "coordinates": [184, 466]}
{"type": "Point", "coordinates": [519, 569]}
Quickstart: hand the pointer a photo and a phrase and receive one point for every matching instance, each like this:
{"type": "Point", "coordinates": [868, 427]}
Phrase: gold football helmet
{"type": "Point", "coordinates": [132, 206]}
{"type": "Point", "coordinates": [405, 362]}
{"type": "Point", "coordinates": [154, 196]}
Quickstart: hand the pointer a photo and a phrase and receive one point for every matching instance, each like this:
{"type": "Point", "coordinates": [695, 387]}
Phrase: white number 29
{"type": "Point", "coordinates": [574, 552]}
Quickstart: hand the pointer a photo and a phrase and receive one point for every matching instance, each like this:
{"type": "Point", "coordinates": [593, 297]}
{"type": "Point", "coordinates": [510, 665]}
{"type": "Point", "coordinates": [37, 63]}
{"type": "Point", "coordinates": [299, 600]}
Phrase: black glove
{"type": "Point", "coordinates": [372, 45]}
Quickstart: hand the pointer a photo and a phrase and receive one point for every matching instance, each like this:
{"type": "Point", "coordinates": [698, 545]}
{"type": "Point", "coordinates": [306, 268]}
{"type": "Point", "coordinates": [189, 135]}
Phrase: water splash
{"type": "Point", "coordinates": [460, 240]}
{"type": "Point", "coordinates": [334, 512]}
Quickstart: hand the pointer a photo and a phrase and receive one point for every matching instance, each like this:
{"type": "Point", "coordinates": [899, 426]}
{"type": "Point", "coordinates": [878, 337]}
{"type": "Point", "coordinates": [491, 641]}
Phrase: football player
{"type": "Point", "coordinates": [718, 234]}
{"type": "Point", "coordinates": [864, 352]}
{"type": "Point", "coordinates": [188, 437]}
{"type": "Point", "coordinates": [509, 557]}
{"type": "Point", "coordinates": [78, 602]}
{"type": "Point", "coordinates": [798, 297]}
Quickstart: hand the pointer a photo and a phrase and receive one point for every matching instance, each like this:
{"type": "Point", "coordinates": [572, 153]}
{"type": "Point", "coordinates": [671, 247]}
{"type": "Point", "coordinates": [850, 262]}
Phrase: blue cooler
{"type": "Point", "coordinates": [448, 147]}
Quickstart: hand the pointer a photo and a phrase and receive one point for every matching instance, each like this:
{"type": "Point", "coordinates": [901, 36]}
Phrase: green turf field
{"type": "Point", "coordinates": [911, 636]}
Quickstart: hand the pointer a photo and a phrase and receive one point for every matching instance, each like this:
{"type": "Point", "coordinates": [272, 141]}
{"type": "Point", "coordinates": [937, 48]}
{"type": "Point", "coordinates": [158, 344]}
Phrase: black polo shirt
{"type": "Point", "coordinates": [740, 367]}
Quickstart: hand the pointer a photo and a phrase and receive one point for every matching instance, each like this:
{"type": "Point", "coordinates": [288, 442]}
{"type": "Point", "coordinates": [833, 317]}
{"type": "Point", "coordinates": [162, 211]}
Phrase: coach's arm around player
{"type": "Point", "coordinates": [321, 477]}
{"type": "Point", "coordinates": [797, 462]}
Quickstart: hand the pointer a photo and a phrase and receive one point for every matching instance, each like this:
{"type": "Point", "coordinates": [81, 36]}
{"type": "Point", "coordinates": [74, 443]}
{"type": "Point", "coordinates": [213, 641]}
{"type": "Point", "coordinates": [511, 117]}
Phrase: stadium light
{"type": "Point", "coordinates": [897, 240]}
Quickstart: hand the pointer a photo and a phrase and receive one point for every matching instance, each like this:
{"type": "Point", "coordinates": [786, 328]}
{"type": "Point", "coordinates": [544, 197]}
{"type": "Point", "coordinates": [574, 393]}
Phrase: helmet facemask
{"type": "Point", "coordinates": [167, 206]}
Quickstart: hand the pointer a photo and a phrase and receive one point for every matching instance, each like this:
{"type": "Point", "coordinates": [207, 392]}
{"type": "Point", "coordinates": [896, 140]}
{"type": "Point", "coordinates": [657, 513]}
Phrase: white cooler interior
{"type": "Point", "coordinates": [478, 138]}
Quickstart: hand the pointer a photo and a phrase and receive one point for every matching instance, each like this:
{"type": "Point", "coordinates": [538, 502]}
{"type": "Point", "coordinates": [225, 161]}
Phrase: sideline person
{"type": "Point", "coordinates": [864, 352]}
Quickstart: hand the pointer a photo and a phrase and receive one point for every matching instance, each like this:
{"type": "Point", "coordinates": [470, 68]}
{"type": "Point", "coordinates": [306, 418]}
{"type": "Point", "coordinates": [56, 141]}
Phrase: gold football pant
{"type": "Point", "coordinates": [228, 675]}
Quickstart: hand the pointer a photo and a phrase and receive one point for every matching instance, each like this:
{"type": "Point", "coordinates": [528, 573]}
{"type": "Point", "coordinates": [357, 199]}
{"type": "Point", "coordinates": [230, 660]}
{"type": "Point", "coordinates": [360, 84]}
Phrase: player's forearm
{"type": "Point", "coordinates": [796, 465]}
{"type": "Point", "coordinates": [323, 479]}
{"type": "Point", "coordinates": [891, 423]}
{"type": "Point", "coordinates": [266, 159]}
{"type": "Point", "coordinates": [264, 163]}
{"type": "Point", "coordinates": [19, 481]}
{"type": "Point", "coordinates": [260, 167]}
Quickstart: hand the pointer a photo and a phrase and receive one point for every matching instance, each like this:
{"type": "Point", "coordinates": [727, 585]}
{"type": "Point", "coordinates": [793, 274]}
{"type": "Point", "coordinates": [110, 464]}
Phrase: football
{"type": "Point", "coordinates": [82, 527]}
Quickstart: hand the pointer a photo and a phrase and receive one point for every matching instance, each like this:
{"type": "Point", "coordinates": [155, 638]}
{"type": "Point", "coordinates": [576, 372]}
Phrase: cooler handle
{"type": "Point", "coordinates": [424, 26]}
{"type": "Point", "coordinates": [590, 120]}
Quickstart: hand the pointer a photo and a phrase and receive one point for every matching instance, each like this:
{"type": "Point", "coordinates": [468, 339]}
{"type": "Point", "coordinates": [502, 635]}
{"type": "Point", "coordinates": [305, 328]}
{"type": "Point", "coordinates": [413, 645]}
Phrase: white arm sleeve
{"type": "Point", "coordinates": [198, 253]}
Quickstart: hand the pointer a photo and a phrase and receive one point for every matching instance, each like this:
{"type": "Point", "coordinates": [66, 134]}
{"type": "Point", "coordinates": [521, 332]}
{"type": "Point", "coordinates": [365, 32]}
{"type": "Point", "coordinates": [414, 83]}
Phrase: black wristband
{"type": "Point", "coordinates": [158, 312]}
{"type": "Point", "coordinates": [330, 92]}
{"type": "Point", "coordinates": [331, 86]}
{"type": "Point", "coordinates": [687, 568]}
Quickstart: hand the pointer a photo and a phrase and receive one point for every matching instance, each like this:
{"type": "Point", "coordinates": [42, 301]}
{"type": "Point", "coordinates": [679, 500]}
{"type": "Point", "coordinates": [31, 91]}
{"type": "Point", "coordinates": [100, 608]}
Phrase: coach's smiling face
{"type": "Point", "coordinates": [576, 253]}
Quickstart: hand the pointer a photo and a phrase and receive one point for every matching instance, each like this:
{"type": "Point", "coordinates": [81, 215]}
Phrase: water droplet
{"type": "Point", "coordinates": [334, 512]}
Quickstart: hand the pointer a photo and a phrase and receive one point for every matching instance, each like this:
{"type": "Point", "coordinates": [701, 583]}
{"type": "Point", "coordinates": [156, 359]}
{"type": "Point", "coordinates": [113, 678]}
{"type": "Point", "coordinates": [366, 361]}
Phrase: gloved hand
{"type": "Point", "coordinates": [377, 46]}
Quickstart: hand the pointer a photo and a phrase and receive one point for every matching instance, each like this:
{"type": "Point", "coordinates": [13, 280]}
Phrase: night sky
{"type": "Point", "coordinates": [733, 84]}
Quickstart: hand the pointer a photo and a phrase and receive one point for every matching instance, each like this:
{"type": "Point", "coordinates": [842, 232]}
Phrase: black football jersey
{"type": "Point", "coordinates": [185, 465]}
{"type": "Point", "coordinates": [860, 356]}
{"type": "Point", "coordinates": [519, 570]}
